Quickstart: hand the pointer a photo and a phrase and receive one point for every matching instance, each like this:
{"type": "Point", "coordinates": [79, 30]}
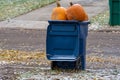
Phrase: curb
{"type": "Point", "coordinates": [109, 29]}
{"type": "Point", "coordinates": [24, 24]}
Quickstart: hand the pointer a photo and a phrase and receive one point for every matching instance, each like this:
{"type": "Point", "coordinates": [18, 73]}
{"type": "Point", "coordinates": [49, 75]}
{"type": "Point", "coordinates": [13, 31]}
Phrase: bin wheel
{"type": "Point", "coordinates": [53, 65]}
{"type": "Point", "coordinates": [78, 64]}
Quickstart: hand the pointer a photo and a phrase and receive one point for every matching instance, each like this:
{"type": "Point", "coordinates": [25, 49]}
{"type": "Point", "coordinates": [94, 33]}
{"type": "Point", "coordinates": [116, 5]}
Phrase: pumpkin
{"type": "Point", "coordinates": [76, 12]}
{"type": "Point", "coordinates": [86, 17]}
{"type": "Point", "coordinates": [59, 13]}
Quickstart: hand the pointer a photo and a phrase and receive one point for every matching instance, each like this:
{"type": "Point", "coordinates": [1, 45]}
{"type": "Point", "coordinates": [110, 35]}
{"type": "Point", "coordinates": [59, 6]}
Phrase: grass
{"type": "Point", "coordinates": [101, 19]}
{"type": "Point", "coordinates": [13, 8]}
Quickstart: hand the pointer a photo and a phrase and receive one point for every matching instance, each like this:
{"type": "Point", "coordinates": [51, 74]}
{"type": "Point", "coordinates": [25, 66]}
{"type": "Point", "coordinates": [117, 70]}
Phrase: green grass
{"type": "Point", "coordinates": [12, 8]}
{"type": "Point", "coordinates": [101, 19]}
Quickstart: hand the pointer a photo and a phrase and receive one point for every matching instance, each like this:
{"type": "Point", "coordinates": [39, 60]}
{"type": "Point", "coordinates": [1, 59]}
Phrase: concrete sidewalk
{"type": "Point", "coordinates": [37, 19]}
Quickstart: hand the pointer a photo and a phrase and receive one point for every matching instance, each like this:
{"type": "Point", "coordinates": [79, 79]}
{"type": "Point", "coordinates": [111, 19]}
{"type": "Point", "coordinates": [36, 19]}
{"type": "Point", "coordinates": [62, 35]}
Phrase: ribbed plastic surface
{"type": "Point", "coordinates": [66, 41]}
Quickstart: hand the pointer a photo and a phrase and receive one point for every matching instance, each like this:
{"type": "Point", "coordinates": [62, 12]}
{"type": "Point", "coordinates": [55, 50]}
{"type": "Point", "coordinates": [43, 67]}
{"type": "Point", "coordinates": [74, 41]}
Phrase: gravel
{"type": "Point", "coordinates": [89, 74]}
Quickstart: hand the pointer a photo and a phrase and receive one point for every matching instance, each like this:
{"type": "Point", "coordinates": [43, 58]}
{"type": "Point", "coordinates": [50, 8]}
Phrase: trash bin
{"type": "Point", "coordinates": [66, 44]}
{"type": "Point", "coordinates": [114, 6]}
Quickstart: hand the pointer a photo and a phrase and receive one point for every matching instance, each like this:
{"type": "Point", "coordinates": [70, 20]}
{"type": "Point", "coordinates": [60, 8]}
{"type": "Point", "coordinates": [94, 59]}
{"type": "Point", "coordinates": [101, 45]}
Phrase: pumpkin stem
{"type": "Point", "coordinates": [58, 3]}
{"type": "Point", "coordinates": [71, 3]}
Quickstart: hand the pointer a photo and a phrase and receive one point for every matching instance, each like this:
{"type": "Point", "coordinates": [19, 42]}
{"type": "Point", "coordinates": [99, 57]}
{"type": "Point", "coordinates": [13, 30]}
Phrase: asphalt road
{"type": "Point", "coordinates": [34, 40]}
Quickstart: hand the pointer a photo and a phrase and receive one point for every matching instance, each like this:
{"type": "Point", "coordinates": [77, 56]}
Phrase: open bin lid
{"type": "Point", "coordinates": [62, 43]}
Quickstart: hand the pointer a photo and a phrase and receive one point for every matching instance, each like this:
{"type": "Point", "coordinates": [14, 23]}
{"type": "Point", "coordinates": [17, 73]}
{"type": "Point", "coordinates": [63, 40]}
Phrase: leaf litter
{"type": "Point", "coordinates": [16, 56]}
{"type": "Point", "coordinates": [99, 66]}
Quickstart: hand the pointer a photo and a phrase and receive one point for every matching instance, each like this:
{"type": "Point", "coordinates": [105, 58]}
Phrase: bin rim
{"type": "Point", "coordinates": [69, 21]}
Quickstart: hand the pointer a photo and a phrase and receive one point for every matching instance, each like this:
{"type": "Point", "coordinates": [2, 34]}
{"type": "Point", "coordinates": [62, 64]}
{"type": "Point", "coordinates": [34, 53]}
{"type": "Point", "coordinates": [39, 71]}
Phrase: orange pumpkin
{"type": "Point", "coordinates": [86, 17]}
{"type": "Point", "coordinates": [76, 12]}
{"type": "Point", "coordinates": [59, 13]}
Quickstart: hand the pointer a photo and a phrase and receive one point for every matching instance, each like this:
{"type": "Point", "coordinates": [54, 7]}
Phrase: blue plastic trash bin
{"type": "Point", "coordinates": [66, 44]}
